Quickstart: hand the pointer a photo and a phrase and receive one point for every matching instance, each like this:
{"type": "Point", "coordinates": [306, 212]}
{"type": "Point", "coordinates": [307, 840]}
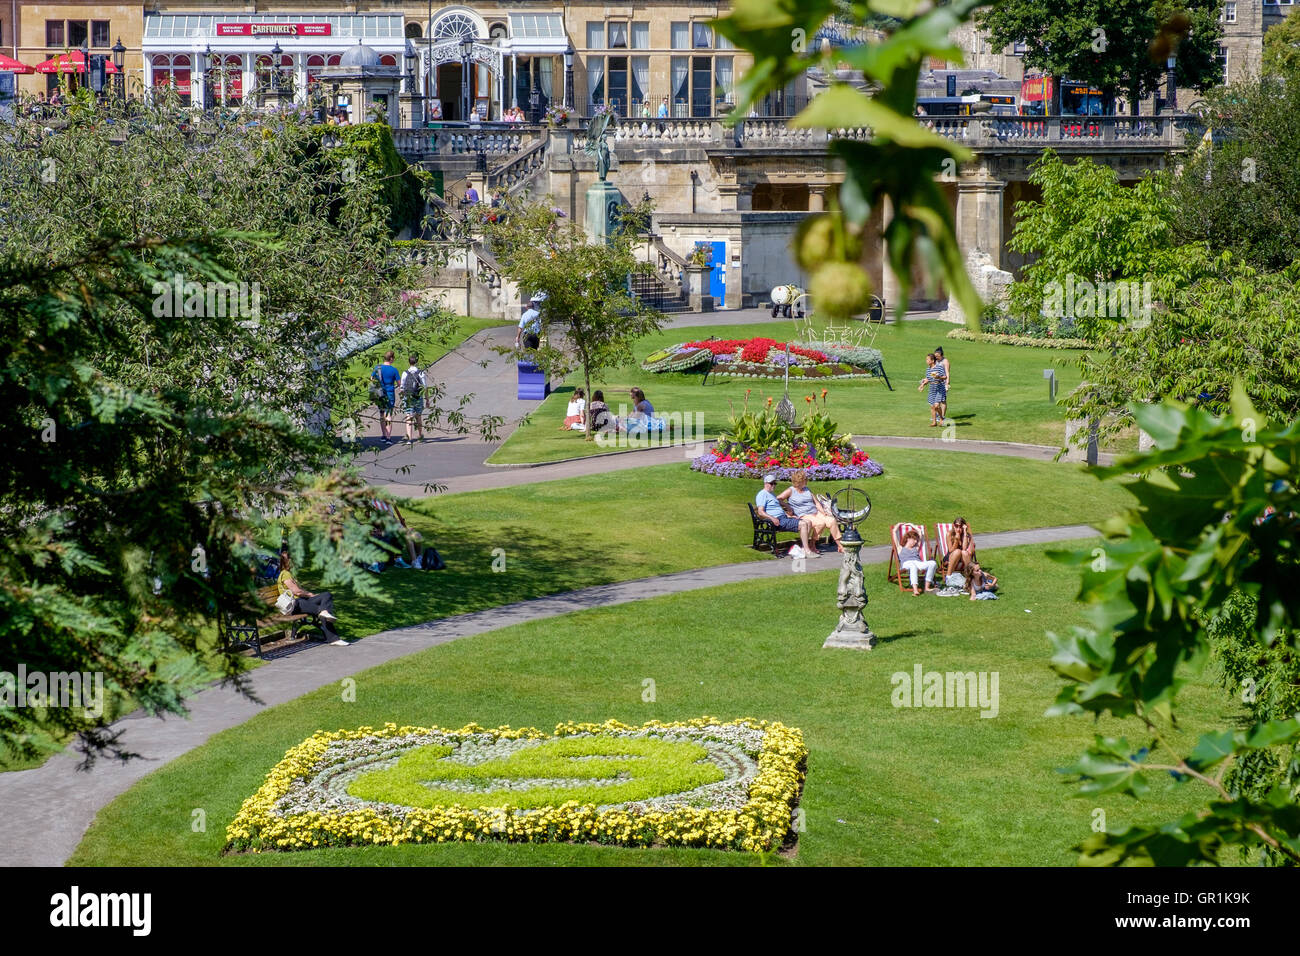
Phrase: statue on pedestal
{"type": "Point", "coordinates": [596, 144]}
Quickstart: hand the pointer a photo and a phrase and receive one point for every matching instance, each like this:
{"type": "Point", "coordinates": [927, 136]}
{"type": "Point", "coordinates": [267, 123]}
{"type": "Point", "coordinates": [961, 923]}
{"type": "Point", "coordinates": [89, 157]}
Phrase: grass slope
{"type": "Point", "coordinates": [886, 785]}
{"type": "Point", "coordinates": [999, 392]}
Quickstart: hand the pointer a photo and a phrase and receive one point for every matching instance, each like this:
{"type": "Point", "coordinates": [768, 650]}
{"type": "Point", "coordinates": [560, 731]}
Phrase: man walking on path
{"type": "Point", "coordinates": [386, 376]}
{"type": "Point", "coordinates": [530, 327]}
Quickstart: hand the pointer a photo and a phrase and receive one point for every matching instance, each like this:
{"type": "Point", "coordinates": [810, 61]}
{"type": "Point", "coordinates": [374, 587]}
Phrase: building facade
{"type": "Point", "coordinates": [635, 58]}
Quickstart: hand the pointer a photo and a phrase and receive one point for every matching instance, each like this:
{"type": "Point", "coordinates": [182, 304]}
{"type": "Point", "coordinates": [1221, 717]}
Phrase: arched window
{"type": "Point", "coordinates": [388, 59]}
{"type": "Point", "coordinates": [414, 31]}
{"type": "Point", "coordinates": [226, 78]}
{"type": "Point", "coordinates": [173, 72]}
{"type": "Point", "coordinates": [454, 26]}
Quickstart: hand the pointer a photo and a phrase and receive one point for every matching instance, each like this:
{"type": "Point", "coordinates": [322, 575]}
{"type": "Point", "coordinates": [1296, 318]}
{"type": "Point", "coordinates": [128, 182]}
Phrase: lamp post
{"type": "Point", "coordinates": [276, 53]}
{"type": "Point", "coordinates": [119, 64]}
{"type": "Point", "coordinates": [85, 62]}
{"type": "Point", "coordinates": [1171, 90]}
{"type": "Point", "coordinates": [466, 51]}
{"type": "Point", "coordinates": [568, 76]}
{"type": "Point", "coordinates": [409, 58]}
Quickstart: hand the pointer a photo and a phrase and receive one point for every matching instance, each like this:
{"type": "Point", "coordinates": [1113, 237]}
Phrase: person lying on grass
{"type": "Point", "coordinates": [981, 585]}
{"type": "Point", "coordinates": [909, 560]}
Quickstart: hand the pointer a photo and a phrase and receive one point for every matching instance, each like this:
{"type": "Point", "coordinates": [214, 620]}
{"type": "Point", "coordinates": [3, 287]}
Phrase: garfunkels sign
{"type": "Point", "coordinates": [273, 29]}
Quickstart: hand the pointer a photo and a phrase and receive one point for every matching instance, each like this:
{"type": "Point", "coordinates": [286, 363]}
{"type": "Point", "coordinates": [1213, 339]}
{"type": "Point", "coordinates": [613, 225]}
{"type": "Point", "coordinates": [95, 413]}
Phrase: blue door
{"type": "Point", "coordinates": [718, 278]}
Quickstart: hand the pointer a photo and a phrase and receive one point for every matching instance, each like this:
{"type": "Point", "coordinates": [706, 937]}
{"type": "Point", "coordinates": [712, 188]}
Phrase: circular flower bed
{"type": "Point", "coordinates": [766, 358]}
{"type": "Point", "coordinates": [837, 465]}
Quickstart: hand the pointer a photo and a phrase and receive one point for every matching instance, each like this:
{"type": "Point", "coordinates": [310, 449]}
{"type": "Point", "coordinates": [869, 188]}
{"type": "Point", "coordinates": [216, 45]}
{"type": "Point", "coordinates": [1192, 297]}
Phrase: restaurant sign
{"type": "Point", "coordinates": [273, 29]}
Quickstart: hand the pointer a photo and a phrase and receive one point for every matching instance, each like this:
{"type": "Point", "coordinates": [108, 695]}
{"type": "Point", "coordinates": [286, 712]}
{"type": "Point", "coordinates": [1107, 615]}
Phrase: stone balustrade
{"type": "Point", "coordinates": [494, 139]}
{"type": "Point", "coordinates": [520, 169]}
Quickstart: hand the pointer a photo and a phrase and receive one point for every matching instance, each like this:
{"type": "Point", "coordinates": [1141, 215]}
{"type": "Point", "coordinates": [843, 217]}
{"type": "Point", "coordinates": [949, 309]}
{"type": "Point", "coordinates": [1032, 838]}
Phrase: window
{"type": "Point", "coordinates": [640, 84]}
{"type": "Point", "coordinates": [680, 85]}
{"type": "Point", "coordinates": [701, 86]}
{"type": "Point", "coordinates": [702, 36]}
{"type": "Point", "coordinates": [617, 71]}
{"type": "Point", "coordinates": [54, 33]}
{"type": "Point", "coordinates": [77, 32]}
{"type": "Point", "coordinates": [1229, 13]}
{"type": "Point", "coordinates": [595, 35]}
{"type": "Point", "coordinates": [618, 36]}
{"type": "Point", "coordinates": [724, 43]}
{"type": "Point", "coordinates": [99, 33]}
{"type": "Point", "coordinates": [1222, 56]}
{"type": "Point", "coordinates": [1018, 48]}
{"type": "Point", "coordinates": [681, 36]}
{"type": "Point", "coordinates": [640, 36]}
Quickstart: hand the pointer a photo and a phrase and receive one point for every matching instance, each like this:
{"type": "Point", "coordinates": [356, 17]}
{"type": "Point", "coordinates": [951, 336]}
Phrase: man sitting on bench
{"type": "Point", "coordinates": [769, 506]}
{"type": "Point", "coordinates": [320, 606]}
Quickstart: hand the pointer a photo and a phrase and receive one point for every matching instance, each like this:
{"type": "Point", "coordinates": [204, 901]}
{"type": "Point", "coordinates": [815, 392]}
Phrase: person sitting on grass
{"type": "Point", "coordinates": [638, 420]}
{"type": "Point", "coordinates": [804, 504]}
{"type": "Point", "coordinates": [981, 585]}
{"type": "Point", "coordinates": [600, 417]}
{"type": "Point", "coordinates": [319, 606]}
{"type": "Point", "coordinates": [909, 560]}
{"type": "Point", "coordinates": [574, 416]}
{"type": "Point", "coordinates": [379, 533]}
{"type": "Point", "coordinates": [769, 507]}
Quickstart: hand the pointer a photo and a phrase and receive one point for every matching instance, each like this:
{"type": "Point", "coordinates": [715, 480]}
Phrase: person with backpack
{"type": "Point", "coordinates": [413, 399]}
{"type": "Point", "coordinates": [383, 392]}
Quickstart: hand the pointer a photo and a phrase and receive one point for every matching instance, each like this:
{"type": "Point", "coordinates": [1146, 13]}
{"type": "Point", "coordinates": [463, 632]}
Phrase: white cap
{"type": "Point", "coordinates": [769, 479]}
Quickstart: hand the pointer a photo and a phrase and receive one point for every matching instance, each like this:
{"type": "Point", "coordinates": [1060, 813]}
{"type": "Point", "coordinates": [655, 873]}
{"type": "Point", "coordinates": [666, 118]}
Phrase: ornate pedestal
{"type": "Point", "coordinates": [852, 630]}
{"type": "Point", "coordinates": [603, 202]}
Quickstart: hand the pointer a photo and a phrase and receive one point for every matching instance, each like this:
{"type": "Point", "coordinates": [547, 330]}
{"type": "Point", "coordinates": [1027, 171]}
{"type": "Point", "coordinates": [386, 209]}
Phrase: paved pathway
{"type": "Point", "coordinates": [44, 812]}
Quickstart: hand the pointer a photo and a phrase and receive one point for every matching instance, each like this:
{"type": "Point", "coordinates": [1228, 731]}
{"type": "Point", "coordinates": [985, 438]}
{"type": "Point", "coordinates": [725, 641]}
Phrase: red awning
{"type": "Point", "coordinates": [69, 63]}
{"type": "Point", "coordinates": [9, 65]}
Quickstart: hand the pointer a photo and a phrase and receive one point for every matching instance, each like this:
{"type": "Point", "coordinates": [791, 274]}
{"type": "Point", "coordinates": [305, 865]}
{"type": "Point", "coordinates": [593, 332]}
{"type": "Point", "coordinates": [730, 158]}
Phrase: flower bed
{"type": "Point", "coordinates": [835, 466]}
{"type": "Point", "coordinates": [702, 783]}
{"type": "Point", "coordinates": [1045, 342]}
{"type": "Point", "coordinates": [766, 358]}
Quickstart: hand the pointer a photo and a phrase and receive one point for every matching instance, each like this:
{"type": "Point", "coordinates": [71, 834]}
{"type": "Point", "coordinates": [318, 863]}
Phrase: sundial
{"type": "Point", "coordinates": [851, 506]}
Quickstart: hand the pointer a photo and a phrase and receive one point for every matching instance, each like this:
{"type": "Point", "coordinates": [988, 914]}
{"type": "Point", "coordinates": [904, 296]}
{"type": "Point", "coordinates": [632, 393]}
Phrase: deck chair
{"type": "Point", "coordinates": [941, 531]}
{"type": "Point", "coordinates": [894, 571]}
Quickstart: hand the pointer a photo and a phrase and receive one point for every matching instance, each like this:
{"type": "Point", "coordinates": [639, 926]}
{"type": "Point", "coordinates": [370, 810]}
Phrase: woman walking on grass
{"type": "Point", "coordinates": [935, 381]}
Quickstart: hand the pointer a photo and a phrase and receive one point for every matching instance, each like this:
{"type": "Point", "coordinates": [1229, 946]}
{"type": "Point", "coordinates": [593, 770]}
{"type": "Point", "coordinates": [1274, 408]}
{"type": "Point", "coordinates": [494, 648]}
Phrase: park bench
{"type": "Point", "coordinates": [765, 533]}
{"type": "Point", "coordinates": [252, 636]}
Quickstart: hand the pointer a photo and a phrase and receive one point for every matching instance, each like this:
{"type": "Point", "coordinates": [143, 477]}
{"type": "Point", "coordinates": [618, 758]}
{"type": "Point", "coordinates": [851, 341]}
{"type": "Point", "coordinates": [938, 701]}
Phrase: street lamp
{"type": "Point", "coordinates": [466, 51]}
{"type": "Point", "coordinates": [408, 57]}
{"type": "Point", "coordinates": [276, 53]}
{"type": "Point", "coordinates": [1171, 91]}
{"type": "Point", "coordinates": [85, 62]}
{"type": "Point", "coordinates": [568, 76]}
{"type": "Point", "coordinates": [119, 64]}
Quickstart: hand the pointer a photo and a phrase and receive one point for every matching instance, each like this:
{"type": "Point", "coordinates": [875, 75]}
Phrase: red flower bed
{"type": "Point", "coordinates": [798, 458]}
{"type": "Point", "coordinates": [755, 350]}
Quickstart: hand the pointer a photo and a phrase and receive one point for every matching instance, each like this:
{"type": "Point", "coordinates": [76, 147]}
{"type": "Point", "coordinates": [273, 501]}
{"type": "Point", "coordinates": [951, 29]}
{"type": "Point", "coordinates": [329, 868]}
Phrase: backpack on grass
{"type": "Point", "coordinates": [430, 560]}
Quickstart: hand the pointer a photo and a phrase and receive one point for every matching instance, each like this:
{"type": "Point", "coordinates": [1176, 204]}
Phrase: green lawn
{"type": "Point", "coordinates": [561, 535]}
{"type": "Point", "coordinates": [423, 339]}
{"type": "Point", "coordinates": [886, 786]}
{"type": "Point", "coordinates": [999, 392]}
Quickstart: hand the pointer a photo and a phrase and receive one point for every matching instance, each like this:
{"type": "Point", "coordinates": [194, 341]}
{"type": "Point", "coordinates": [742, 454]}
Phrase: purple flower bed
{"type": "Point", "coordinates": [708, 464]}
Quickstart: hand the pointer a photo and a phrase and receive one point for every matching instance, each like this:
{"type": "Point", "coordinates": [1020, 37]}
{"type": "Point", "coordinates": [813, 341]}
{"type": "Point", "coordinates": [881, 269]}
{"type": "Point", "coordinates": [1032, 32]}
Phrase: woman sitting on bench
{"type": "Point", "coordinates": [320, 606]}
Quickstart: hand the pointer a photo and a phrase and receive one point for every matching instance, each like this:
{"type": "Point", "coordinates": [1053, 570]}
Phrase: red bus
{"type": "Point", "coordinates": [1045, 95]}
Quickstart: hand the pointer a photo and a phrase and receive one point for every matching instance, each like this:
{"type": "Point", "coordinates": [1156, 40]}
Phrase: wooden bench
{"type": "Point", "coordinates": [765, 533]}
{"type": "Point", "coordinates": [251, 636]}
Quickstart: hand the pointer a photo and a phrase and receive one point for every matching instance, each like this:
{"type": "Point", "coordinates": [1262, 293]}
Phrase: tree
{"type": "Point", "coordinates": [1116, 45]}
{"type": "Point", "coordinates": [1239, 190]}
{"type": "Point", "coordinates": [1092, 237]}
{"type": "Point", "coordinates": [585, 286]}
{"type": "Point", "coordinates": [898, 169]}
{"type": "Point", "coordinates": [1282, 47]}
{"type": "Point", "coordinates": [170, 302]}
{"type": "Point", "coordinates": [1213, 530]}
{"type": "Point", "coordinates": [1234, 323]}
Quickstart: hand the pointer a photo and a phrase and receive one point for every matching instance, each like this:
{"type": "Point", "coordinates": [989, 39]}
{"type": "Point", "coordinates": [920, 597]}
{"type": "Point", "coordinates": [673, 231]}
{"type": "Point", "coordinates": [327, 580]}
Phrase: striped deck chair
{"type": "Point", "coordinates": [941, 531]}
{"type": "Point", "coordinates": [894, 572]}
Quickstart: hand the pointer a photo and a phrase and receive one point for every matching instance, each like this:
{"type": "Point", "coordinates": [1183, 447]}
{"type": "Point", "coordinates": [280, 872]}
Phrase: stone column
{"type": "Point", "coordinates": [979, 217]}
{"type": "Point", "coordinates": [735, 197]}
{"type": "Point", "coordinates": [697, 288]}
{"type": "Point", "coordinates": [816, 198]}
{"type": "Point", "coordinates": [889, 289]}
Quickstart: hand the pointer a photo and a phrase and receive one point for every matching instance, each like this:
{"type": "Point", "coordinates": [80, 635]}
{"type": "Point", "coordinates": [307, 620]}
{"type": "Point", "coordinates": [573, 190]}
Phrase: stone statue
{"type": "Point", "coordinates": [596, 144]}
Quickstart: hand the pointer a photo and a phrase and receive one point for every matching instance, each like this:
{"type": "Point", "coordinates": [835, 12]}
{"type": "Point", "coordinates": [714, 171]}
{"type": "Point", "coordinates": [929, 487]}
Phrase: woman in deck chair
{"type": "Point", "coordinates": [909, 560]}
{"type": "Point", "coordinates": [957, 547]}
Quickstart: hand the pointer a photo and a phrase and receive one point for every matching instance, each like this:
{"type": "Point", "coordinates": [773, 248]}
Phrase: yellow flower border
{"type": "Point", "coordinates": [761, 824]}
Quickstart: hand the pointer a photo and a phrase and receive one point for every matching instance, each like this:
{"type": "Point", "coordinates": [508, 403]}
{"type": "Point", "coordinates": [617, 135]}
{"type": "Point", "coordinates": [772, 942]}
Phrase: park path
{"type": "Point", "coordinates": [47, 810]}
